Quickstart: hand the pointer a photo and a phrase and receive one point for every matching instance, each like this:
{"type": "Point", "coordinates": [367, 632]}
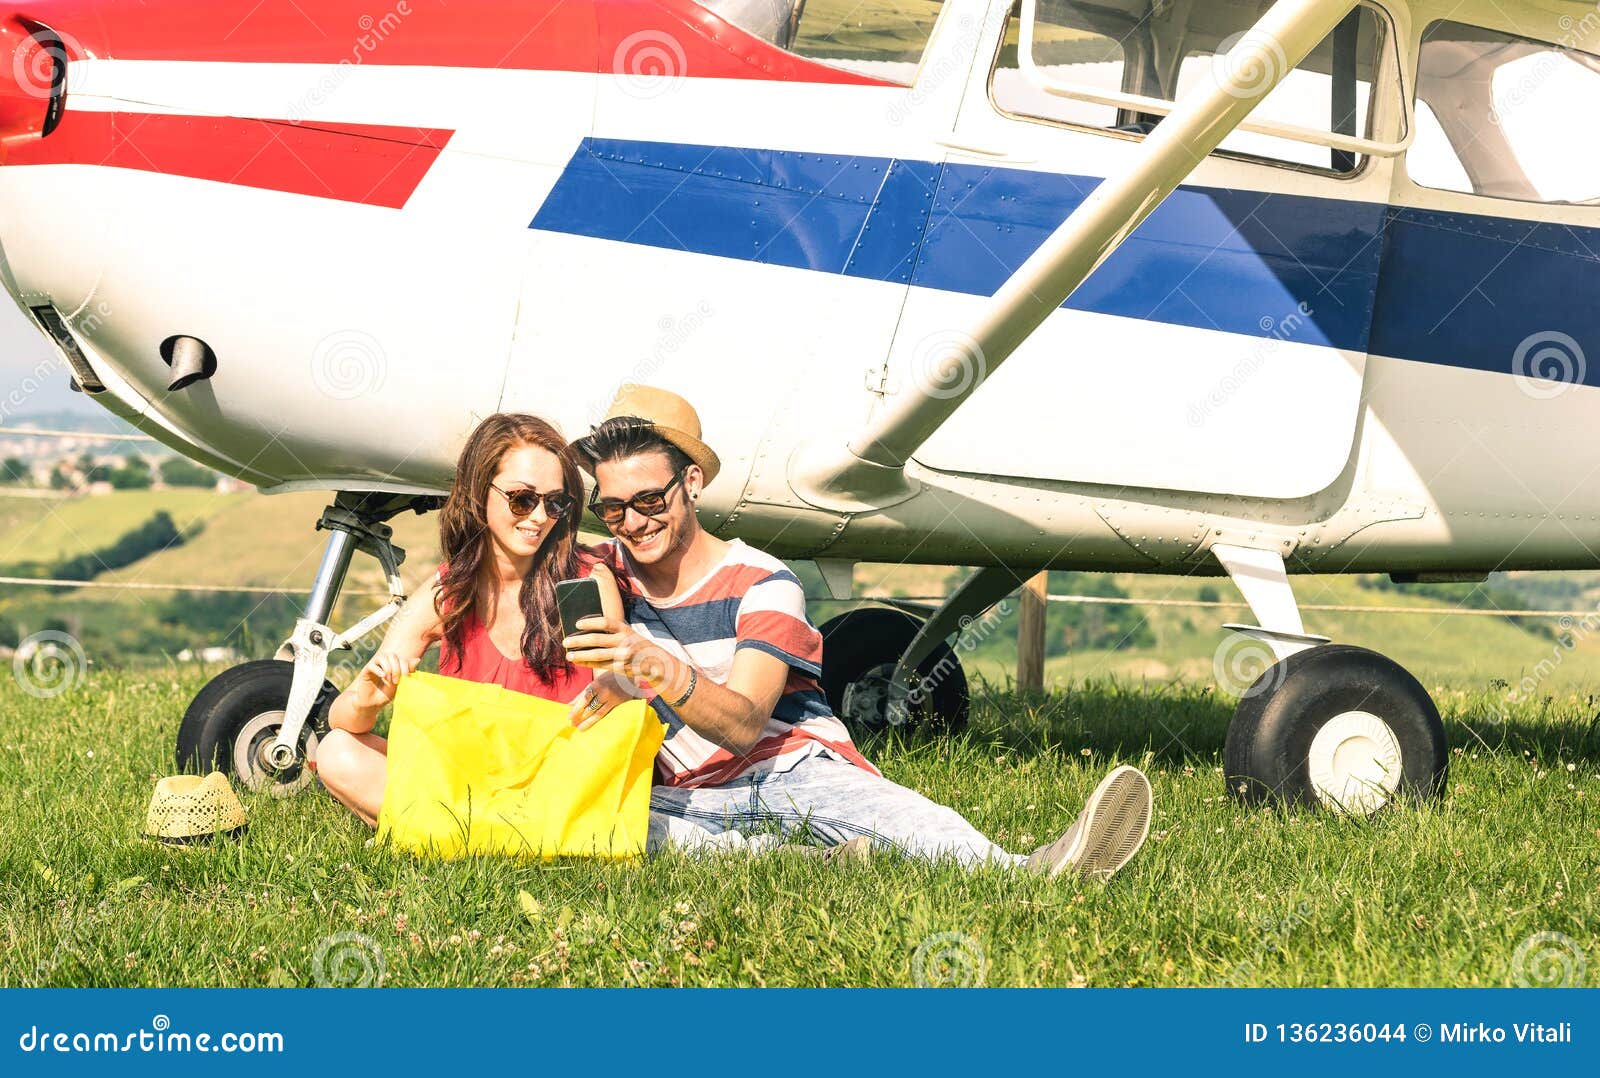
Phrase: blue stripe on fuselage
{"type": "Point", "coordinates": [1481, 292]}
{"type": "Point", "coordinates": [1456, 289]}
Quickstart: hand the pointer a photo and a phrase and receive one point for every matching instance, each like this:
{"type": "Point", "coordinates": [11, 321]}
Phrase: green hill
{"type": "Point", "coordinates": [257, 540]}
{"type": "Point", "coordinates": [242, 539]}
{"type": "Point", "coordinates": [272, 541]}
{"type": "Point", "coordinates": [1436, 647]}
{"type": "Point", "coordinates": [49, 530]}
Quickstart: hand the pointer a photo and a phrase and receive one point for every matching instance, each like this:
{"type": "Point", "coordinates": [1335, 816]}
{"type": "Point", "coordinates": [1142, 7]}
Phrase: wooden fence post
{"type": "Point", "coordinates": [1030, 634]}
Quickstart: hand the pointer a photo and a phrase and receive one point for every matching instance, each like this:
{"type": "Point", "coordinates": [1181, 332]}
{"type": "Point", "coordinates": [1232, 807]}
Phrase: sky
{"type": "Point", "coordinates": [22, 348]}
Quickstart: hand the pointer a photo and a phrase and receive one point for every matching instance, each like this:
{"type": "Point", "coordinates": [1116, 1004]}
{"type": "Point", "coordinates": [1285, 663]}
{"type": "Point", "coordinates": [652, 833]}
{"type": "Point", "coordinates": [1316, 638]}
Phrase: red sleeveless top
{"type": "Point", "coordinates": [480, 660]}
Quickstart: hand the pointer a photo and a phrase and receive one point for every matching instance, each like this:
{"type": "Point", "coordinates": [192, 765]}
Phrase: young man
{"type": "Point", "coordinates": [719, 639]}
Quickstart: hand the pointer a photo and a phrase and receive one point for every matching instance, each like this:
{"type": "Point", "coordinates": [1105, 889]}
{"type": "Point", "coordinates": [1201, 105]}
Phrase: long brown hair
{"type": "Point", "coordinates": [464, 540]}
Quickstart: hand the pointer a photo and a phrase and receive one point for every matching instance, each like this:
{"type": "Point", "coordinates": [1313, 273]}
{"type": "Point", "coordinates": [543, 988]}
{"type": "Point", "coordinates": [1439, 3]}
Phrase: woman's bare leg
{"type": "Point", "coordinates": [354, 767]}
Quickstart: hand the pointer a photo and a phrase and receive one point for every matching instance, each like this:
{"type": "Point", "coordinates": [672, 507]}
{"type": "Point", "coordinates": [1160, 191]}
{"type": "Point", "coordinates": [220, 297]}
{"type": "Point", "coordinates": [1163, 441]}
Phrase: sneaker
{"type": "Point", "coordinates": [1106, 834]}
{"type": "Point", "coordinates": [858, 849]}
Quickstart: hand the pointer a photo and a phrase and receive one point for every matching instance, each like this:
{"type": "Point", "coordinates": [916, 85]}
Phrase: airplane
{"type": "Point", "coordinates": [1246, 287]}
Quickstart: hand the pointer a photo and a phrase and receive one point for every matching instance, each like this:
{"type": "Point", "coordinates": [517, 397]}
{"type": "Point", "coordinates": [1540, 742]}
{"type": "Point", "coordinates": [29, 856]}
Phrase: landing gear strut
{"type": "Point", "coordinates": [1326, 725]}
{"type": "Point", "coordinates": [260, 721]}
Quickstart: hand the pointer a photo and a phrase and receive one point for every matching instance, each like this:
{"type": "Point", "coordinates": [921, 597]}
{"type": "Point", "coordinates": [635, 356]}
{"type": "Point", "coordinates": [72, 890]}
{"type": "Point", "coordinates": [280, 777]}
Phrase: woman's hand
{"type": "Point", "coordinates": [596, 702]}
{"type": "Point", "coordinates": [378, 681]}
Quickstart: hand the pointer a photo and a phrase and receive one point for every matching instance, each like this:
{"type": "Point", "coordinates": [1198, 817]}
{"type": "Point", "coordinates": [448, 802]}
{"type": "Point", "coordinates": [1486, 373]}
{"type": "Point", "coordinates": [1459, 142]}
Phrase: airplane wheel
{"type": "Point", "coordinates": [1337, 726]}
{"type": "Point", "coordinates": [233, 719]}
{"type": "Point", "coordinates": [859, 650]}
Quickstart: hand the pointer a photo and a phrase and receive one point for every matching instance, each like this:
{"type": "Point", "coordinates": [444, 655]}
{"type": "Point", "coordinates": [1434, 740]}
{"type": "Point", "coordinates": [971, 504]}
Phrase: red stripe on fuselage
{"type": "Point", "coordinates": [602, 36]}
{"type": "Point", "coordinates": [365, 163]}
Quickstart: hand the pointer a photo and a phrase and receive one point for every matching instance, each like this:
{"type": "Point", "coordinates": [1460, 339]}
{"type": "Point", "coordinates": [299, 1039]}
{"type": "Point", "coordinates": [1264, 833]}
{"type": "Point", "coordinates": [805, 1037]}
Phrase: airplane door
{"type": "Point", "coordinates": [1221, 348]}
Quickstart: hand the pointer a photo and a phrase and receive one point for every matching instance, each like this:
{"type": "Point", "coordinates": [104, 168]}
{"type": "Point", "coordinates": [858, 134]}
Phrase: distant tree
{"type": "Point", "coordinates": [9, 636]}
{"type": "Point", "coordinates": [182, 472]}
{"type": "Point", "coordinates": [1068, 626]}
{"type": "Point", "coordinates": [1479, 596]}
{"type": "Point", "coordinates": [14, 470]}
{"type": "Point", "coordinates": [59, 479]}
{"type": "Point", "coordinates": [227, 618]}
{"type": "Point", "coordinates": [122, 479]}
{"type": "Point", "coordinates": [1208, 594]}
{"type": "Point", "coordinates": [1114, 627]}
{"type": "Point", "coordinates": [135, 474]}
{"type": "Point", "coordinates": [55, 625]}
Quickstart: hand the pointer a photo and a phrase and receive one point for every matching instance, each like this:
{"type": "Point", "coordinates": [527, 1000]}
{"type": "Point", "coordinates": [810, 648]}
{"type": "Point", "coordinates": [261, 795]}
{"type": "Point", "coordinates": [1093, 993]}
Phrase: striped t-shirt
{"type": "Point", "coordinates": [750, 600]}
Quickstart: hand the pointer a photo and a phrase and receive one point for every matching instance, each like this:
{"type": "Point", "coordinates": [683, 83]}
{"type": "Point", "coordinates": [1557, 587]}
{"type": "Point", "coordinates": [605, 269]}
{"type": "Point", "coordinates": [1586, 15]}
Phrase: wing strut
{"type": "Point", "coordinates": [869, 472]}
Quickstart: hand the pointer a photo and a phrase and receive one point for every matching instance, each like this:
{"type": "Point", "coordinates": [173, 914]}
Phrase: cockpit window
{"type": "Point", "coordinates": [1159, 51]}
{"type": "Point", "coordinates": [1501, 116]}
{"type": "Point", "coordinates": [881, 38]}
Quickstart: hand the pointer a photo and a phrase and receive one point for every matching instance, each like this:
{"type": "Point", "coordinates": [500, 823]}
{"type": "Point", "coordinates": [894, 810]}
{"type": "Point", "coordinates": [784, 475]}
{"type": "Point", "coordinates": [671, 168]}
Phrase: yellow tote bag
{"type": "Point", "coordinates": [479, 768]}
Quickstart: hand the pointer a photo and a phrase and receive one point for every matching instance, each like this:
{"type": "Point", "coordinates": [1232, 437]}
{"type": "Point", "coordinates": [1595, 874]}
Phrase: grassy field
{"type": "Point", "coordinates": [19, 508]}
{"type": "Point", "coordinates": [247, 539]}
{"type": "Point", "coordinates": [263, 541]}
{"type": "Point", "coordinates": [1444, 894]}
{"type": "Point", "coordinates": [1465, 652]}
{"type": "Point", "coordinates": [271, 541]}
{"type": "Point", "coordinates": [53, 530]}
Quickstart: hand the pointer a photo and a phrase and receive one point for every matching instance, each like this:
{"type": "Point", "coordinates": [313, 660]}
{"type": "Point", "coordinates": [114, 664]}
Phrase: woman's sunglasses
{"type": "Point", "coordinates": [649, 503]}
{"type": "Point", "coordinates": [557, 504]}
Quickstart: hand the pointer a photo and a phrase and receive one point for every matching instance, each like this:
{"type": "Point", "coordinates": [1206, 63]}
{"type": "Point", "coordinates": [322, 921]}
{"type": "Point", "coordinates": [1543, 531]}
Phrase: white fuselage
{"type": "Point", "coordinates": [1276, 358]}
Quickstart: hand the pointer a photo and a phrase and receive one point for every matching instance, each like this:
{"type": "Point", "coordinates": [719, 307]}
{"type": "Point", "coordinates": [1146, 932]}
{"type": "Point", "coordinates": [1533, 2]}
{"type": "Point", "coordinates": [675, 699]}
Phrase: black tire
{"type": "Point", "coordinates": [236, 713]}
{"type": "Point", "coordinates": [1270, 740]}
{"type": "Point", "coordinates": [860, 648]}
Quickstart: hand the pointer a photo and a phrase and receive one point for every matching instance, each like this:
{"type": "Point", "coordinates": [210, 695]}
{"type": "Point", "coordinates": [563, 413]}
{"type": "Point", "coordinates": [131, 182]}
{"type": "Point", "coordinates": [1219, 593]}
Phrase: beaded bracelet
{"type": "Point", "coordinates": [694, 679]}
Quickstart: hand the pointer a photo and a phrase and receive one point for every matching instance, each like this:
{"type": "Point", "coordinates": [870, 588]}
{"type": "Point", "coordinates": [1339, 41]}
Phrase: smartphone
{"type": "Point", "coordinates": [576, 600]}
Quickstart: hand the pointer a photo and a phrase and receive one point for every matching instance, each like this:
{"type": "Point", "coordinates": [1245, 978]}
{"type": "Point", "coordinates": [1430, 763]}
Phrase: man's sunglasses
{"type": "Point", "coordinates": [557, 504]}
{"type": "Point", "coordinates": [648, 503]}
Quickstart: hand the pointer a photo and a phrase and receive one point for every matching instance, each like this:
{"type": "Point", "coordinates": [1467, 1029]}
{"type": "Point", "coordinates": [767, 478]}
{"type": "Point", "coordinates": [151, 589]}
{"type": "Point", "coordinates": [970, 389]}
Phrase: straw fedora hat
{"type": "Point", "coordinates": [669, 415]}
{"type": "Point", "coordinates": [188, 807]}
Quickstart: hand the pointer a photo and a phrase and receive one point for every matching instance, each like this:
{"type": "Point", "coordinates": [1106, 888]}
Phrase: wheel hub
{"type": "Point", "coordinates": [1355, 763]}
{"type": "Point", "coordinates": [254, 762]}
{"type": "Point", "coordinates": [876, 699]}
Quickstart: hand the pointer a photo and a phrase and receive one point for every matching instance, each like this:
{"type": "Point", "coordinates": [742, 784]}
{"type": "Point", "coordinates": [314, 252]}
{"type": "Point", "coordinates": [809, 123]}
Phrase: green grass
{"type": "Point", "coordinates": [1441, 894]}
{"type": "Point", "coordinates": [24, 506]}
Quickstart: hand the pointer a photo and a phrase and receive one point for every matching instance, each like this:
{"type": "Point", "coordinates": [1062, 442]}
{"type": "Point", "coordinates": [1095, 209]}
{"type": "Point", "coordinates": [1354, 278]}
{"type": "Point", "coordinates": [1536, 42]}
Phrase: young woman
{"type": "Point", "coordinates": [507, 533]}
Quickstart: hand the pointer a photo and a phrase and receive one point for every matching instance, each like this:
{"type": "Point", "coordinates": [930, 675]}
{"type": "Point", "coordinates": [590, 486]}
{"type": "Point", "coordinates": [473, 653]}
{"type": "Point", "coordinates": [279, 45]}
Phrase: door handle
{"type": "Point", "coordinates": [964, 147]}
